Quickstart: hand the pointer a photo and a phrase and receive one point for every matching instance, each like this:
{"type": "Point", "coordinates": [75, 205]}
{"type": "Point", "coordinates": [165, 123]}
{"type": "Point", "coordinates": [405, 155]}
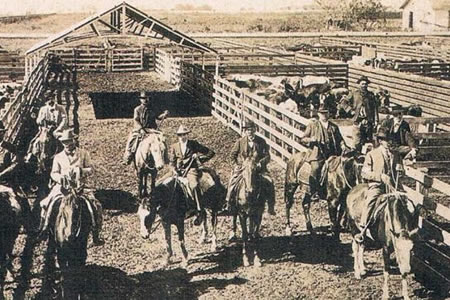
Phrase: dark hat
{"type": "Point", "coordinates": [324, 88]}
{"type": "Point", "coordinates": [2, 127]}
{"type": "Point", "coordinates": [143, 95]}
{"type": "Point", "coordinates": [363, 78]}
{"type": "Point", "coordinates": [67, 136]}
{"type": "Point", "coordinates": [397, 112]}
{"type": "Point", "coordinates": [48, 95]}
{"type": "Point", "coordinates": [182, 130]}
{"type": "Point", "coordinates": [248, 124]}
{"type": "Point", "coordinates": [382, 133]}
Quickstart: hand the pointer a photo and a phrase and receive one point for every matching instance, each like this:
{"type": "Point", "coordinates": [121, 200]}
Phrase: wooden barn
{"type": "Point", "coordinates": [426, 15]}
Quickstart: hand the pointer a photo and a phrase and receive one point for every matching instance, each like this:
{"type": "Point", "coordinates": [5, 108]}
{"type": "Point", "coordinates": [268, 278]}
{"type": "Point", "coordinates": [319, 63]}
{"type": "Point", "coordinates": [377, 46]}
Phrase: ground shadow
{"type": "Point", "coordinates": [101, 282]}
{"type": "Point", "coordinates": [317, 249]}
{"type": "Point", "coordinates": [119, 200]}
{"type": "Point", "coordinates": [121, 105]}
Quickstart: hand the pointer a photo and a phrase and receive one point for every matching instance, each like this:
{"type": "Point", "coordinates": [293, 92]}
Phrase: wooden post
{"type": "Point", "coordinates": [123, 20]}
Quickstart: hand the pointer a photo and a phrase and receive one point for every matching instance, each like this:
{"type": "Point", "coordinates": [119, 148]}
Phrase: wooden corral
{"type": "Point", "coordinates": [342, 53]}
{"type": "Point", "coordinates": [11, 66]}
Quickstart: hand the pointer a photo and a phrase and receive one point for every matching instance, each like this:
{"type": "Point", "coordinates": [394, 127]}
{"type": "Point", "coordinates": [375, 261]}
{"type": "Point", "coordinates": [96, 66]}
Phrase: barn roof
{"type": "Point", "coordinates": [121, 20]}
{"type": "Point", "coordinates": [435, 4]}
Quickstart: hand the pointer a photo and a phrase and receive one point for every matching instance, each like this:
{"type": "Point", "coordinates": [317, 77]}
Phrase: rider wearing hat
{"type": "Point", "coordinates": [71, 164]}
{"type": "Point", "coordinates": [52, 115]}
{"type": "Point", "coordinates": [399, 133]}
{"type": "Point", "coordinates": [379, 170]}
{"type": "Point", "coordinates": [366, 114]}
{"type": "Point", "coordinates": [144, 118]}
{"type": "Point", "coordinates": [247, 146]}
{"type": "Point", "coordinates": [324, 139]}
{"type": "Point", "coordinates": [186, 157]}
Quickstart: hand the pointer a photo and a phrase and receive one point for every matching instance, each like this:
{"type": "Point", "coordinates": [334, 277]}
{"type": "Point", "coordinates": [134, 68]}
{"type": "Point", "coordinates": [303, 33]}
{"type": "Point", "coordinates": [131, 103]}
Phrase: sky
{"type": "Point", "coordinates": [20, 7]}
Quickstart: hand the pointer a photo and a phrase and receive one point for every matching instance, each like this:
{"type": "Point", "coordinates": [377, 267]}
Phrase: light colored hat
{"type": "Point", "coordinates": [67, 136]}
{"type": "Point", "coordinates": [363, 78]}
{"type": "Point", "coordinates": [143, 95]}
{"type": "Point", "coordinates": [182, 130]}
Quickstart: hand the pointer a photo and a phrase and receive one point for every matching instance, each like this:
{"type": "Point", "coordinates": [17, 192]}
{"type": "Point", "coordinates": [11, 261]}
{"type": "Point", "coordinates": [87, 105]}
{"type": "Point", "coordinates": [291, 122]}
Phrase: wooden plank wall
{"type": "Point", "coordinates": [12, 66]}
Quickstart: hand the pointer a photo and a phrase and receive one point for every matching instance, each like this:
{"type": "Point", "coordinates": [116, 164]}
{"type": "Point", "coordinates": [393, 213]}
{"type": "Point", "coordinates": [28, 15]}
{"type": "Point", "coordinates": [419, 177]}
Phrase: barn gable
{"type": "Point", "coordinates": [426, 15]}
{"type": "Point", "coordinates": [120, 20]}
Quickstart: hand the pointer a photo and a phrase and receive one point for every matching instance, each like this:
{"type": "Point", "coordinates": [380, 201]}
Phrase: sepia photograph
{"type": "Point", "coordinates": [227, 149]}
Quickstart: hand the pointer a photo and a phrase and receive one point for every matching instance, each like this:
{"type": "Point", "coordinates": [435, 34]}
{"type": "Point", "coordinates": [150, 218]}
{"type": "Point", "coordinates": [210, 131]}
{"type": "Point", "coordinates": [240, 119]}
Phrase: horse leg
{"type": "Point", "coordinates": [180, 227]}
{"type": "Point", "coordinates": [243, 221]}
{"type": "Point", "coordinates": [356, 266]}
{"type": "Point", "coordinates": [386, 274]}
{"type": "Point", "coordinates": [168, 237]}
{"type": "Point", "coordinates": [405, 287]}
{"type": "Point", "coordinates": [213, 228]}
{"type": "Point", "coordinates": [233, 236]}
{"type": "Point", "coordinates": [203, 236]}
{"type": "Point", "coordinates": [362, 266]}
{"type": "Point", "coordinates": [333, 213]}
{"type": "Point", "coordinates": [254, 234]}
{"type": "Point", "coordinates": [289, 190]}
{"type": "Point", "coordinates": [140, 184]}
{"type": "Point", "coordinates": [306, 203]}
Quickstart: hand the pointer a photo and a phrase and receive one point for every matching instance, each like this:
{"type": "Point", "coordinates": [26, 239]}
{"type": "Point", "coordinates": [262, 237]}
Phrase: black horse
{"type": "Point", "coordinates": [171, 202]}
{"type": "Point", "coordinates": [68, 236]}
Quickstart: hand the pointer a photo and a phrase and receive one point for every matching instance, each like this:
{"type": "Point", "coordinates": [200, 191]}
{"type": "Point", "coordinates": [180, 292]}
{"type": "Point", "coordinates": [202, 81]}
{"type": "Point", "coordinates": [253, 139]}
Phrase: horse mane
{"type": "Point", "coordinates": [66, 217]}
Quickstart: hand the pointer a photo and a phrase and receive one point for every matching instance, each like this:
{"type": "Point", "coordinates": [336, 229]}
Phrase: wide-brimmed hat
{"type": "Point", "coordinates": [322, 109]}
{"type": "Point", "coordinates": [382, 133]}
{"type": "Point", "coordinates": [248, 124]}
{"type": "Point", "coordinates": [182, 130]}
{"type": "Point", "coordinates": [143, 95]}
{"type": "Point", "coordinates": [67, 136]}
{"type": "Point", "coordinates": [2, 127]}
{"type": "Point", "coordinates": [363, 78]}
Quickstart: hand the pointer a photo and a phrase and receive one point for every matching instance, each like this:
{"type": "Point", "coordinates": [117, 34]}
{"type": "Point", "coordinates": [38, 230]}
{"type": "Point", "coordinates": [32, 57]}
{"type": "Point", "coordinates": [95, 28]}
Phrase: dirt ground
{"type": "Point", "coordinates": [129, 267]}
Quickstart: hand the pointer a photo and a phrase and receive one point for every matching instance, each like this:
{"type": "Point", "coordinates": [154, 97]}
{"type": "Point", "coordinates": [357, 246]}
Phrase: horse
{"type": "Point", "coordinates": [394, 229]}
{"type": "Point", "coordinates": [44, 147]}
{"type": "Point", "coordinates": [339, 174]}
{"type": "Point", "coordinates": [151, 156]}
{"type": "Point", "coordinates": [171, 202]}
{"type": "Point", "coordinates": [9, 230]}
{"type": "Point", "coordinates": [249, 205]}
{"type": "Point", "coordinates": [69, 233]}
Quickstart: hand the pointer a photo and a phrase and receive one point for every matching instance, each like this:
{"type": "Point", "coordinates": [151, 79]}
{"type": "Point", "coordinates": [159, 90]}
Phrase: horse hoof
{"type": "Point", "coordinates": [144, 234]}
{"type": "Point", "coordinates": [257, 262]}
{"type": "Point", "coordinates": [184, 263]}
{"type": "Point", "coordinates": [232, 238]}
{"type": "Point", "coordinates": [363, 273]}
{"type": "Point", "coordinates": [357, 276]}
{"type": "Point", "coordinates": [245, 260]}
{"type": "Point", "coordinates": [288, 231]}
{"type": "Point", "coordinates": [213, 247]}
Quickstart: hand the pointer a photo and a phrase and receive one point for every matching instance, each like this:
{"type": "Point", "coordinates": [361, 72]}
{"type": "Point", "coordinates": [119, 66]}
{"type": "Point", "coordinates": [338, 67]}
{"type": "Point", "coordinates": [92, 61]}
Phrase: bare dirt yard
{"type": "Point", "coordinates": [128, 267]}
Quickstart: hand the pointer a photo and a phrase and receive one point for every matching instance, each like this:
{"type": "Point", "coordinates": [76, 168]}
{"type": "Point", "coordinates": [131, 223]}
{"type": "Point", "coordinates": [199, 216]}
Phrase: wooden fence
{"type": "Point", "coordinates": [343, 53]}
{"type": "Point", "coordinates": [435, 70]}
{"type": "Point", "coordinates": [394, 51]}
{"type": "Point", "coordinates": [11, 66]}
{"type": "Point", "coordinates": [102, 60]}
{"type": "Point", "coordinates": [282, 131]}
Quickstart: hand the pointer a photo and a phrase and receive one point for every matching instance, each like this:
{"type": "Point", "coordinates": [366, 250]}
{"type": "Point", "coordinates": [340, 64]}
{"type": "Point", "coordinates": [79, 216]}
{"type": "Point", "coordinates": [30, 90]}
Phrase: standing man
{"type": "Point", "coordinates": [73, 163]}
{"type": "Point", "coordinates": [186, 157]}
{"type": "Point", "coordinates": [366, 114]}
{"type": "Point", "coordinates": [379, 170]}
{"type": "Point", "coordinates": [251, 145]}
{"type": "Point", "coordinates": [144, 118]}
{"type": "Point", "coordinates": [325, 140]}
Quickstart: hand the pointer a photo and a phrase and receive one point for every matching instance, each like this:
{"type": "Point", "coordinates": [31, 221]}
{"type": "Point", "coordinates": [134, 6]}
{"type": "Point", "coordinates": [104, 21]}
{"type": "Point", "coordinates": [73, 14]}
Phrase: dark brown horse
{"type": "Point", "coordinates": [249, 206]}
{"type": "Point", "coordinates": [339, 175]}
{"type": "Point", "coordinates": [68, 236]}
{"type": "Point", "coordinates": [11, 217]}
{"type": "Point", "coordinates": [150, 157]}
{"type": "Point", "coordinates": [171, 202]}
{"type": "Point", "coordinates": [43, 148]}
{"type": "Point", "coordinates": [393, 229]}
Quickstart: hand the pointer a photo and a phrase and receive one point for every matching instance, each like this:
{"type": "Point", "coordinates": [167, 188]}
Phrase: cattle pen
{"type": "Point", "coordinates": [204, 77]}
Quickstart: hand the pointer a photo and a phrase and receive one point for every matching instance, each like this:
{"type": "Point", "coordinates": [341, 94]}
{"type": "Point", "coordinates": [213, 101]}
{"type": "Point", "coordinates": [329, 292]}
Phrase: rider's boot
{"type": "Point", "coordinates": [96, 239]}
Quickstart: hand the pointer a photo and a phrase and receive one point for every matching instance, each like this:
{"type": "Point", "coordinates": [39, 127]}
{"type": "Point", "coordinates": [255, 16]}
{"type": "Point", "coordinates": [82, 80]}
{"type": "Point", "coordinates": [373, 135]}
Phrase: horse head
{"type": "Point", "coordinates": [402, 223]}
{"type": "Point", "coordinates": [68, 225]}
{"type": "Point", "coordinates": [157, 148]}
{"type": "Point", "coordinates": [148, 210]}
{"type": "Point", "coordinates": [46, 148]}
{"type": "Point", "coordinates": [250, 173]}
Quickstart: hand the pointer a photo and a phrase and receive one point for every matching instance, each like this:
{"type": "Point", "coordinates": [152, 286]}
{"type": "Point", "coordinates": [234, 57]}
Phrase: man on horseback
{"type": "Point", "coordinates": [366, 114]}
{"type": "Point", "coordinates": [400, 135]}
{"type": "Point", "coordinates": [51, 117]}
{"type": "Point", "coordinates": [247, 146]}
{"type": "Point", "coordinates": [324, 139]}
{"type": "Point", "coordinates": [72, 163]}
{"type": "Point", "coordinates": [144, 118]}
{"type": "Point", "coordinates": [10, 165]}
{"type": "Point", "coordinates": [379, 170]}
{"type": "Point", "coordinates": [186, 157]}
